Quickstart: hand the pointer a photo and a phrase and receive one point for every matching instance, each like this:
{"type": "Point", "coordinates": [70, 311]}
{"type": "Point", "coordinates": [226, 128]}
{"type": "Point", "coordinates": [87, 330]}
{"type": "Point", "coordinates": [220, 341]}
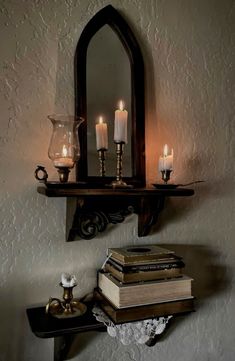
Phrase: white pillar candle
{"type": "Point", "coordinates": [101, 135]}
{"type": "Point", "coordinates": [166, 161]}
{"type": "Point", "coordinates": [120, 124]}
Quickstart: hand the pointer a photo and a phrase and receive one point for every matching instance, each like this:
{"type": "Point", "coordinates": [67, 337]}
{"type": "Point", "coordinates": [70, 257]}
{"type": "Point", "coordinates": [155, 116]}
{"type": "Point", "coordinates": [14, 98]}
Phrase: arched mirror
{"type": "Point", "coordinates": [109, 68]}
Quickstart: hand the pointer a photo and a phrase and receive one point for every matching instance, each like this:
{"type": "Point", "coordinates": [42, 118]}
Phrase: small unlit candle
{"type": "Point", "coordinates": [63, 162]}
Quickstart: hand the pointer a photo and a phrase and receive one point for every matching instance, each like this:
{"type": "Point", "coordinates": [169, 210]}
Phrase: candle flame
{"type": "Point", "coordinates": [64, 151]}
{"type": "Point", "coordinates": [121, 105]}
{"type": "Point", "coordinates": [165, 150]}
{"type": "Point", "coordinates": [101, 120]}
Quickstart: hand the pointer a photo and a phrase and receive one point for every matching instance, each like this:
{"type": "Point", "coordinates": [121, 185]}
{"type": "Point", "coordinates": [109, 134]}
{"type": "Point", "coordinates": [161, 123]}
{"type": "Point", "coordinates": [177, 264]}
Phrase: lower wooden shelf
{"type": "Point", "coordinates": [64, 330]}
{"type": "Point", "coordinates": [46, 326]}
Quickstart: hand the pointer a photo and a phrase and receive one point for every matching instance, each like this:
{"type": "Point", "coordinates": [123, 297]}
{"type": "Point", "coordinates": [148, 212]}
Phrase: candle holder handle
{"type": "Point", "coordinates": [41, 173]}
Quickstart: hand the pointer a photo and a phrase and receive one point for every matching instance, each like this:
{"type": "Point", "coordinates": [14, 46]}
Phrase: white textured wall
{"type": "Point", "coordinates": [188, 47]}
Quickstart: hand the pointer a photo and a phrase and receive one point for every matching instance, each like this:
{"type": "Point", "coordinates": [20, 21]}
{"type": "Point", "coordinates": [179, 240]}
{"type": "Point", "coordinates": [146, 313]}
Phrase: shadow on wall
{"type": "Point", "coordinates": [177, 208]}
{"type": "Point", "coordinates": [210, 278]}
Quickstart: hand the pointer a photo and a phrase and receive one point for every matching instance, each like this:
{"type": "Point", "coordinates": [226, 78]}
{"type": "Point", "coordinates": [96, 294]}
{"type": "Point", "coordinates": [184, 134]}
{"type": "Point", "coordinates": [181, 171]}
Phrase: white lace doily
{"type": "Point", "coordinates": [132, 332]}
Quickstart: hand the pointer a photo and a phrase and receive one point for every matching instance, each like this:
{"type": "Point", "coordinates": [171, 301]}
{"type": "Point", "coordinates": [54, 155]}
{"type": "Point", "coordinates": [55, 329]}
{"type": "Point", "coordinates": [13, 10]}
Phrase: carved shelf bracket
{"type": "Point", "coordinates": [90, 217]}
{"type": "Point", "coordinates": [89, 220]}
{"type": "Point", "coordinates": [148, 213]}
{"type": "Point", "coordinates": [90, 211]}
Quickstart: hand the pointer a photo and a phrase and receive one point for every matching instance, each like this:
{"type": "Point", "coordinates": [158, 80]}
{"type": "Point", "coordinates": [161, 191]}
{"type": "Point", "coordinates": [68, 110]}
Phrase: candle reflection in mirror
{"type": "Point", "coordinates": [101, 143]}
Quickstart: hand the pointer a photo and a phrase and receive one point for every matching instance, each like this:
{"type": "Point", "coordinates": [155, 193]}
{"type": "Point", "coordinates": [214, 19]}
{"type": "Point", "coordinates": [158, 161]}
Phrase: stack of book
{"type": "Point", "coordinates": [143, 282]}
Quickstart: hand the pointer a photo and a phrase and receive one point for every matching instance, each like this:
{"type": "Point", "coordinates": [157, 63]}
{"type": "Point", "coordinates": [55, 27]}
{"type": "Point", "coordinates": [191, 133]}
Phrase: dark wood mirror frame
{"type": "Point", "coordinates": [109, 16]}
{"type": "Point", "coordinates": [91, 206]}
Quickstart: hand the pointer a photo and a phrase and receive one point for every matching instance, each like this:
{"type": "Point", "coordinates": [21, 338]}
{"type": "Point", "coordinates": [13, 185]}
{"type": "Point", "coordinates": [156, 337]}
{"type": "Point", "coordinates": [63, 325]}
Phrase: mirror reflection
{"type": "Point", "coordinates": [108, 82]}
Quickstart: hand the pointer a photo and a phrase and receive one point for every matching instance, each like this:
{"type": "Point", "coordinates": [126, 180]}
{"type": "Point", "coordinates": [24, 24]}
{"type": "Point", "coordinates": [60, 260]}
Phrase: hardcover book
{"type": "Point", "coordinates": [142, 293]}
{"type": "Point", "coordinates": [167, 263]}
{"type": "Point", "coordinates": [129, 314]}
{"type": "Point", "coordinates": [140, 275]}
{"type": "Point", "coordinates": [139, 254]}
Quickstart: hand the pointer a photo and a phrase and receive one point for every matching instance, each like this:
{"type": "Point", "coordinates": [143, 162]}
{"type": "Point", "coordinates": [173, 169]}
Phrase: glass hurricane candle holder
{"type": "Point", "coordinates": [64, 148]}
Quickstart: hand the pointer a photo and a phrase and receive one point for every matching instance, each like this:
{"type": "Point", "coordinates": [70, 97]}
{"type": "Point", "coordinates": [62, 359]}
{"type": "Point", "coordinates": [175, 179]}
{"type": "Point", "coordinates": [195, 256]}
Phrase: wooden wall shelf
{"type": "Point", "coordinates": [64, 330]}
{"type": "Point", "coordinates": [90, 210]}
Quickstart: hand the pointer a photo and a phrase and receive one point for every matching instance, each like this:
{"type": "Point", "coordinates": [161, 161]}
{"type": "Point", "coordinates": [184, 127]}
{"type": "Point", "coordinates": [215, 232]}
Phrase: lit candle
{"type": "Point", "coordinates": [101, 135]}
{"type": "Point", "coordinates": [165, 150]}
{"type": "Point", "coordinates": [64, 161]}
{"type": "Point", "coordinates": [161, 164]}
{"type": "Point", "coordinates": [166, 161]}
{"type": "Point", "coordinates": [120, 124]}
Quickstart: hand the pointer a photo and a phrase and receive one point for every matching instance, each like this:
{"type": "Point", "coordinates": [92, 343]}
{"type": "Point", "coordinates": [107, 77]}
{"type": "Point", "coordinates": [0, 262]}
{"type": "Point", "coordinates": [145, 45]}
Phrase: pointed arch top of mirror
{"type": "Point", "coordinates": [111, 17]}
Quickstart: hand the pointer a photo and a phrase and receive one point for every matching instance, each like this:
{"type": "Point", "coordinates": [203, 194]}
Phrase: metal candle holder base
{"type": "Point", "coordinates": [69, 307]}
{"type": "Point", "coordinates": [119, 183]}
{"type": "Point", "coordinates": [101, 153]}
{"type": "Point", "coordinates": [166, 174]}
{"type": "Point", "coordinates": [63, 174]}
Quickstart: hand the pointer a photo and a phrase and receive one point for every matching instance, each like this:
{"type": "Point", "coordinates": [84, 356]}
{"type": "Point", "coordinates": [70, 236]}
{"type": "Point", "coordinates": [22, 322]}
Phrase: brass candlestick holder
{"type": "Point", "coordinates": [101, 153]}
{"type": "Point", "coordinates": [166, 174]}
{"type": "Point", "coordinates": [69, 307]}
{"type": "Point", "coordinates": [119, 183]}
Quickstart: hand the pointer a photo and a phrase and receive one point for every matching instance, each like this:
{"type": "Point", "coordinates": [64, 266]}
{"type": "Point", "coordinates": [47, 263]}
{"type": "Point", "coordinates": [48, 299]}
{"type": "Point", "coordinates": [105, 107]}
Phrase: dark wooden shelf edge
{"type": "Point", "coordinates": [70, 331]}
{"type": "Point", "coordinates": [135, 192]}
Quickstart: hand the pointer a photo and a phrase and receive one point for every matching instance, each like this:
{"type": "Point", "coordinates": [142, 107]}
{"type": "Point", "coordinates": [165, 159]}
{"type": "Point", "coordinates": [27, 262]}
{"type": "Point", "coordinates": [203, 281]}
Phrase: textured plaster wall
{"type": "Point", "coordinates": [188, 47]}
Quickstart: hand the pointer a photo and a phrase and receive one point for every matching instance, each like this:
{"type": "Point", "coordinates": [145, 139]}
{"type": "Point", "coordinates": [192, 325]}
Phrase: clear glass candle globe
{"type": "Point", "coordinates": [64, 148]}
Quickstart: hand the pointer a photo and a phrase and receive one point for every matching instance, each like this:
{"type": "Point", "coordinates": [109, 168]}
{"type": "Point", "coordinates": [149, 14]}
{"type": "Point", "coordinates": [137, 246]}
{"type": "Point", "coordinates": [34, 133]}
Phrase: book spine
{"type": "Point", "coordinates": [147, 267]}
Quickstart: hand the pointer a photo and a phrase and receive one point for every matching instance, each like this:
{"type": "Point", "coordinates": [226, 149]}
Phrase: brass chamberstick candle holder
{"type": "Point", "coordinates": [69, 307]}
